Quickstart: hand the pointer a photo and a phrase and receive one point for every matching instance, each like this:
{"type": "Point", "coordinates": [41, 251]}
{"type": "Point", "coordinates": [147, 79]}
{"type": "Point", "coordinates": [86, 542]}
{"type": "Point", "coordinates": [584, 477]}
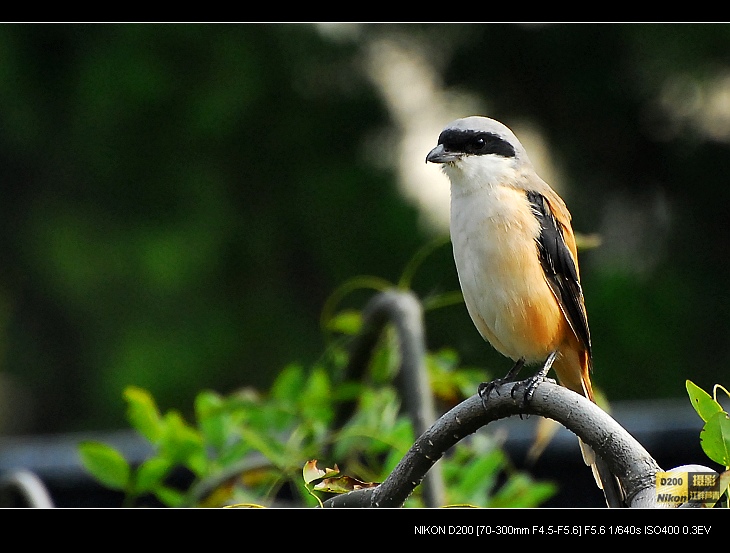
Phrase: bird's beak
{"type": "Point", "coordinates": [441, 155]}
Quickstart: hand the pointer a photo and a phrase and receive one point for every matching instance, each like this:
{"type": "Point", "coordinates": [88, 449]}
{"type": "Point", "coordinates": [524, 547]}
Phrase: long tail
{"type": "Point", "coordinates": [574, 373]}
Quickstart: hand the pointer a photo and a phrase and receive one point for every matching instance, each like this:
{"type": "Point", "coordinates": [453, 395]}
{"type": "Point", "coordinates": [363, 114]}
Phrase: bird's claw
{"type": "Point", "coordinates": [486, 388]}
{"type": "Point", "coordinates": [530, 384]}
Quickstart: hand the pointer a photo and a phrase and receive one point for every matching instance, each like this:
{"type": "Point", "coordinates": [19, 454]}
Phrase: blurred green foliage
{"type": "Point", "coordinates": [249, 448]}
{"type": "Point", "coordinates": [179, 200]}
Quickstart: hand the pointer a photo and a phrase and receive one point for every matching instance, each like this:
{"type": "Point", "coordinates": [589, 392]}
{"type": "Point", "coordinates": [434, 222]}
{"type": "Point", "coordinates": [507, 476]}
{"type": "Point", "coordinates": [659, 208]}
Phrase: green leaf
{"type": "Point", "coordinates": [450, 382]}
{"type": "Point", "coordinates": [703, 403]}
{"type": "Point", "coordinates": [347, 322]}
{"type": "Point", "coordinates": [315, 400]}
{"type": "Point", "coordinates": [170, 496]}
{"type": "Point", "coordinates": [106, 464]}
{"type": "Point", "coordinates": [347, 391]}
{"type": "Point", "coordinates": [399, 439]}
{"type": "Point", "coordinates": [288, 385]}
{"type": "Point", "coordinates": [385, 360]}
{"type": "Point", "coordinates": [233, 453]}
{"type": "Point", "coordinates": [715, 438]}
{"type": "Point", "coordinates": [142, 413]}
{"type": "Point", "coordinates": [207, 403]}
{"type": "Point", "coordinates": [180, 443]}
{"type": "Point", "coordinates": [521, 491]}
{"type": "Point", "coordinates": [213, 419]}
{"type": "Point", "coordinates": [151, 474]}
{"type": "Point", "coordinates": [481, 473]}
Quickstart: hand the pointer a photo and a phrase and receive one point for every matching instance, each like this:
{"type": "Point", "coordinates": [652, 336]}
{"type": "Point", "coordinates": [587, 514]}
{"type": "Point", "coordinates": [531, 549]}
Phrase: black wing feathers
{"type": "Point", "coordinates": [559, 267]}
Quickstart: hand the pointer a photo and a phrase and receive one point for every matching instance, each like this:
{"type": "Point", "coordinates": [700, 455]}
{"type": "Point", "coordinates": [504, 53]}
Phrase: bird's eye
{"type": "Point", "coordinates": [478, 144]}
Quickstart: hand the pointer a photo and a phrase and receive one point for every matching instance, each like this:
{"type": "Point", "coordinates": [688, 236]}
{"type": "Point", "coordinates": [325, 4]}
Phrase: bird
{"type": "Point", "coordinates": [516, 258]}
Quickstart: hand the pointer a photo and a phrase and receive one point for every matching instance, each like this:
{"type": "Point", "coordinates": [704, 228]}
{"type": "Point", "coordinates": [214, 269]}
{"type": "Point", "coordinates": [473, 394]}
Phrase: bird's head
{"type": "Point", "coordinates": [478, 150]}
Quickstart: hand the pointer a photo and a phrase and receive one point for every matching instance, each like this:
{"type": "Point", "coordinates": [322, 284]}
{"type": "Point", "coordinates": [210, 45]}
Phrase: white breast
{"type": "Point", "coordinates": [493, 232]}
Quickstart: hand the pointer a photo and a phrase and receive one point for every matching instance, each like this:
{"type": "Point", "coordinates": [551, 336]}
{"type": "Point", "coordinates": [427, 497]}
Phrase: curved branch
{"type": "Point", "coordinates": [403, 310]}
{"type": "Point", "coordinates": [625, 457]}
{"type": "Point", "coordinates": [28, 488]}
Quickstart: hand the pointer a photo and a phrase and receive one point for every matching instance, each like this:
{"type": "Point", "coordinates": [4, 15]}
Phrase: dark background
{"type": "Point", "coordinates": [178, 201]}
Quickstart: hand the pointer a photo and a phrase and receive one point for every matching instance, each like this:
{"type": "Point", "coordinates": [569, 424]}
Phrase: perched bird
{"type": "Point", "coordinates": [516, 256]}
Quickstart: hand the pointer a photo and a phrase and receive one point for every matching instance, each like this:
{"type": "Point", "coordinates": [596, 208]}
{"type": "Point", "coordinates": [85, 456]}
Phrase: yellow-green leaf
{"type": "Point", "coordinates": [142, 413]}
{"type": "Point", "coordinates": [106, 464]}
{"type": "Point", "coordinates": [347, 322]}
{"type": "Point", "coordinates": [288, 385]}
{"type": "Point", "coordinates": [170, 497]}
{"type": "Point", "coordinates": [213, 420]}
{"type": "Point", "coordinates": [715, 438]}
{"type": "Point", "coordinates": [703, 403]}
{"type": "Point", "coordinates": [207, 403]}
{"type": "Point", "coordinates": [151, 474]}
{"type": "Point", "coordinates": [181, 443]}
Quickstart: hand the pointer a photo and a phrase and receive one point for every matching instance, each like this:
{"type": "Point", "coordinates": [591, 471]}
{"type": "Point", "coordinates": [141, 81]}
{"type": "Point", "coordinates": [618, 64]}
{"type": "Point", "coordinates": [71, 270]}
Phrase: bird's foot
{"type": "Point", "coordinates": [486, 388]}
{"type": "Point", "coordinates": [541, 376]}
{"type": "Point", "coordinates": [529, 384]}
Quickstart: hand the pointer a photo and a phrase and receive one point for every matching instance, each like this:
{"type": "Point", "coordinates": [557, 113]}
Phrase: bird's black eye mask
{"type": "Point", "coordinates": [475, 143]}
